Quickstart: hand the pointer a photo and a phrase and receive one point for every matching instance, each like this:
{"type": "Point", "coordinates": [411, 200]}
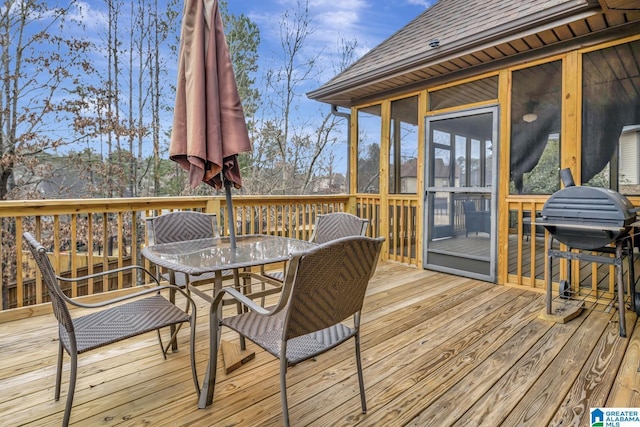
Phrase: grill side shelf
{"type": "Point", "coordinates": [581, 225]}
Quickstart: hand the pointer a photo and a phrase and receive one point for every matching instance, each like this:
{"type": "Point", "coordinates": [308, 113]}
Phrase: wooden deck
{"type": "Point", "coordinates": [437, 349]}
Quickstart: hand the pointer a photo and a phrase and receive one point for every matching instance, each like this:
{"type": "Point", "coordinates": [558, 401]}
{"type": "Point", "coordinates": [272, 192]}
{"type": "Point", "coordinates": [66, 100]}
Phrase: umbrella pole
{"type": "Point", "coordinates": [231, 220]}
{"type": "Point", "coordinates": [233, 356]}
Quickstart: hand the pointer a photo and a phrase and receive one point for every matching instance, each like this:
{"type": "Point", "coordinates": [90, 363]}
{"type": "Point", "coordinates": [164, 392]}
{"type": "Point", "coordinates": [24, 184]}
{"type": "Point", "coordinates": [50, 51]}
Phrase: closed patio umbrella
{"type": "Point", "coordinates": [209, 128]}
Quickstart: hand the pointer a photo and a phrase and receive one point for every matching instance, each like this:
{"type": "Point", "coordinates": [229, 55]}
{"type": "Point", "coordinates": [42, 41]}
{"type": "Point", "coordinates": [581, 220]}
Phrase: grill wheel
{"type": "Point", "coordinates": [564, 289]}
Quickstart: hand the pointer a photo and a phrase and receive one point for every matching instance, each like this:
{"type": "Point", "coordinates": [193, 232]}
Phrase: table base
{"type": "Point", "coordinates": [234, 357]}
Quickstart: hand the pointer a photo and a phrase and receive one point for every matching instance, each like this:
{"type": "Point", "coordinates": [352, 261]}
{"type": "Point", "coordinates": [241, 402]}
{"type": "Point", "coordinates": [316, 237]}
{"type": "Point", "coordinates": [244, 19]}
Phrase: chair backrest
{"type": "Point", "coordinates": [329, 283]}
{"type": "Point", "coordinates": [468, 206]}
{"type": "Point", "coordinates": [337, 225]}
{"type": "Point", "coordinates": [181, 225]}
{"type": "Point", "coordinates": [60, 309]}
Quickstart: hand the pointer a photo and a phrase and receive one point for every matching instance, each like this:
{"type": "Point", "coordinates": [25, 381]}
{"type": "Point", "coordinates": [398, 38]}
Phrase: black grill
{"type": "Point", "coordinates": [598, 221]}
{"type": "Point", "coordinates": [587, 217]}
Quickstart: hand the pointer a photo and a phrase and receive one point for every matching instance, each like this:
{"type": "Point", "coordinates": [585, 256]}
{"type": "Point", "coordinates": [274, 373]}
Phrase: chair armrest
{"type": "Point", "coordinates": [104, 273]}
{"type": "Point", "coordinates": [128, 297]}
{"type": "Point", "coordinates": [240, 298]}
{"type": "Point", "coordinates": [155, 289]}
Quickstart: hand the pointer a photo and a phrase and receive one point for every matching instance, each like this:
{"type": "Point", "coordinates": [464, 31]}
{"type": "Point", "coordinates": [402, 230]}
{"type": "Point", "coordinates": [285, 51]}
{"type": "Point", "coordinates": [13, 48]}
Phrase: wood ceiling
{"type": "Point", "coordinates": [619, 5]}
{"type": "Point", "coordinates": [518, 49]}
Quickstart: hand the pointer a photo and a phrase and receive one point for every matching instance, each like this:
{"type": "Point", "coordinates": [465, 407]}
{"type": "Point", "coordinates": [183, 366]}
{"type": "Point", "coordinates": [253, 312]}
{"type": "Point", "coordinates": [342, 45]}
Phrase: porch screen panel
{"type": "Point", "coordinates": [611, 118]}
{"type": "Point", "coordinates": [403, 149]}
{"type": "Point", "coordinates": [369, 132]}
{"type": "Point", "coordinates": [536, 98]}
{"type": "Point", "coordinates": [467, 93]}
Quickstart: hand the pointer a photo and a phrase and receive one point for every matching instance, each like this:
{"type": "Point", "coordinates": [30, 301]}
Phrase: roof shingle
{"type": "Point", "coordinates": [456, 24]}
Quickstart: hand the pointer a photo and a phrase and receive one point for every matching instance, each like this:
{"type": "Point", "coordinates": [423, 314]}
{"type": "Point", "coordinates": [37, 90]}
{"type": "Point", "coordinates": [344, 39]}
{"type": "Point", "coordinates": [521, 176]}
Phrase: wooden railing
{"type": "Point", "coordinates": [89, 235]}
{"type": "Point", "coordinates": [527, 247]}
{"type": "Point", "coordinates": [399, 224]}
{"type": "Point", "coordinates": [526, 244]}
{"type": "Point", "coordinates": [404, 218]}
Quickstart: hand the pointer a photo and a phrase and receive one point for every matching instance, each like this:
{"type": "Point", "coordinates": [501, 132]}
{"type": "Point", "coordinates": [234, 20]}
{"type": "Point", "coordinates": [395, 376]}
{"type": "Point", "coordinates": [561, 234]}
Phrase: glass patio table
{"type": "Point", "coordinates": [215, 255]}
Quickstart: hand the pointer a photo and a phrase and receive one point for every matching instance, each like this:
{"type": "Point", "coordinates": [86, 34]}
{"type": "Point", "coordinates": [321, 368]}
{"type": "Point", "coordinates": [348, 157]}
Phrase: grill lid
{"type": "Point", "coordinates": [589, 206]}
{"type": "Point", "coordinates": [587, 217]}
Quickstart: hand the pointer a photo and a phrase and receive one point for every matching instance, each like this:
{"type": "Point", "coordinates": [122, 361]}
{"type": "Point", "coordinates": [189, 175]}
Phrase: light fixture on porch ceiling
{"type": "Point", "coordinates": [529, 115]}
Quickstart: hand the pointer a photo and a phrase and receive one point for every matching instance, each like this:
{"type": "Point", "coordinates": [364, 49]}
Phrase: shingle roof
{"type": "Point", "coordinates": [456, 24]}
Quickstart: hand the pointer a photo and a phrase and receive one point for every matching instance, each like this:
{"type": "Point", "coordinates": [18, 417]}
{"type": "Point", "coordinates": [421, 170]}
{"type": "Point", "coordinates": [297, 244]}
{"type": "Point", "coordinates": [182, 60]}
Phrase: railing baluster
{"type": "Point", "coordinates": [82, 234]}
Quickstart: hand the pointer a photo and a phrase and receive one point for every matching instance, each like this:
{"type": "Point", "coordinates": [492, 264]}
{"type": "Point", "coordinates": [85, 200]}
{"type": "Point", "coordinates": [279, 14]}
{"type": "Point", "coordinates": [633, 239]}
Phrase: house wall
{"type": "Point", "coordinates": [509, 205]}
{"type": "Point", "coordinates": [629, 164]}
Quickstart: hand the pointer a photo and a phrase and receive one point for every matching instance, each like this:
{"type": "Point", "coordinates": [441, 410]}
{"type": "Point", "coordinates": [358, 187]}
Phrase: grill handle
{"type": "Point", "coordinates": [567, 177]}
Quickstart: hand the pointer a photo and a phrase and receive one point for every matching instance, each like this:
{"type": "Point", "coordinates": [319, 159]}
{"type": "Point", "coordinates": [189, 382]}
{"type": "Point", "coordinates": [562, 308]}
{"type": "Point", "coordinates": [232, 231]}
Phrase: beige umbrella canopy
{"type": "Point", "coordinates": [209, 128]}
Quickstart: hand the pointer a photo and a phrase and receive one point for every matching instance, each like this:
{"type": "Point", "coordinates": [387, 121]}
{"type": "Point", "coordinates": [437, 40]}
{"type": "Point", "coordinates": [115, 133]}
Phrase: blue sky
{"type": "Point", "coordinates": [368, 21]}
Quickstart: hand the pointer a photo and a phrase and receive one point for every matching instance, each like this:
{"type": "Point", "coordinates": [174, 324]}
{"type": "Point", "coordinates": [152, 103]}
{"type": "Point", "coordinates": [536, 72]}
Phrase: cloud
{"type": "Point", "coordinates": [425, 3]}
{"type": "Point", "coordinates": [368, 22]}
{"type": "Point", "coordinates": [93, 19]}
{"type": "Point", "coordinates": [328, 18]}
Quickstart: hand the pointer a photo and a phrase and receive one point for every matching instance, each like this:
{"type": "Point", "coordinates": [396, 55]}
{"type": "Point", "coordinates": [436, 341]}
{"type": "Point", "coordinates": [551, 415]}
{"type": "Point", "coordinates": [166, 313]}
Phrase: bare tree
{"type": "Point", "coordinates": [40, 68]}
{"type": "Point", "coordinates": [41, 64]}
{"type": "Point", "coordinates": [123, 117]}
{"type": "Point", "coordinates": [162, 22]}
{"type": "Point", "coordinates": [285, 82]}
{"type": "Point", "coordinates": [290, 151]}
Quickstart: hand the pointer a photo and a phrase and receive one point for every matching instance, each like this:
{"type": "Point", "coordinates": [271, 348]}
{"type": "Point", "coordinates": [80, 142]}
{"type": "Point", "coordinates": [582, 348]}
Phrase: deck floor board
{"type": "Point", "coordinates": [437, 350]}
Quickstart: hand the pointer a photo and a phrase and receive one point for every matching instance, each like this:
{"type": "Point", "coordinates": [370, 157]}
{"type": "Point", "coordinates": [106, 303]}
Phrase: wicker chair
{"type": "Point", "coordinates": [180, 226]}
{"type": "Point", "coordinates": [337, 225]}
{"type": "Point", "coordinates": [330, 227]}
{"type": "Point", "coordinates": [176, 227]}
{"type": "Point", "coordinates": [100, 328]}
{"type": "Point", "coordinates": [323, 287]}
{"type": "Point", "coordinates": [475, 220]}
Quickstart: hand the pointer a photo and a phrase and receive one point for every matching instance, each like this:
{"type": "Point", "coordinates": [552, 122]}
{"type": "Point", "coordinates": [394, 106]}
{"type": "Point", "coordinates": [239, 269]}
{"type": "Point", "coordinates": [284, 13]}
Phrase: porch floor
{"type": "Point", "coordinates": [437, 350]}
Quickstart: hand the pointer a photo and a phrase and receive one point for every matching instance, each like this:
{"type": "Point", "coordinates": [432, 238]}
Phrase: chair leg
{"type": "Point", "coordinates": [236, 285]}
{"type": "Point", "coordinates": [192, 345]}
{"type": "Point", "coordinates": [283, 388]}
{"type": "Point", "coordinates": [59, 371]}
{"type": "Point", "coordinates": [72, 388]}
{"type": "Point", "coordinates": [363, 399]}
{"type": "Point", "coordinates": [208, 387]}
{"type": "Point", "coordinates": [162, 347]}
{"type": "Point", "coordinates": [174, 329]}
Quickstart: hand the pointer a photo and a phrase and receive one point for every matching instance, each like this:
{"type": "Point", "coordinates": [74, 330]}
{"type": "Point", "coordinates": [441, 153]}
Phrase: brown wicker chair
{"type": "Point", "coordinates": [180, 226]}
{"type": "Point", "coordinates": [176, 227]}
{"type": "Point", "coordinates": [323, 287]}
{"type": "Point", "coordinates": [330, 227]}
{"type": "Point", "coordinates": [337, 225]}
{"type": "Point", "coordinates": [150, 312]}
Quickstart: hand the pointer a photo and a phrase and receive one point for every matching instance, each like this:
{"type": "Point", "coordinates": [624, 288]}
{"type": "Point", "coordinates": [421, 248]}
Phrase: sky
{"type": "Point", "coordinates": [368, 21]}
